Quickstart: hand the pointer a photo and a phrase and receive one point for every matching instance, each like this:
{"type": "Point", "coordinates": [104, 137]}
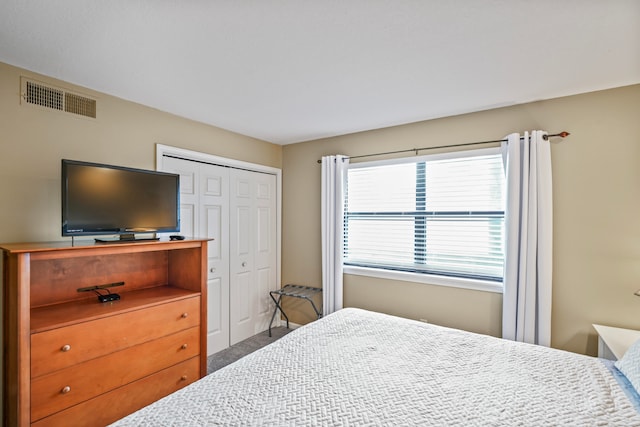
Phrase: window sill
{"type": "Point", "coordinates": [431, 279]}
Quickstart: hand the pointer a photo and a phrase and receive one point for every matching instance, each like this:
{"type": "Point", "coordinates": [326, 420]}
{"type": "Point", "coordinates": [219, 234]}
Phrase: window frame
{"type": "Point", "coordinates": [421, 277]}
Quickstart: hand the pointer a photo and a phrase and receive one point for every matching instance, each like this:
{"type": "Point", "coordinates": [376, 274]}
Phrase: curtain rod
{"type": "Point", "coordinates": [563, 134]}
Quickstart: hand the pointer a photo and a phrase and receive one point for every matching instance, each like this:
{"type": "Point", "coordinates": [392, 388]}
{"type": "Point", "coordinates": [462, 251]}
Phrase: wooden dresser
{"type": "Point", "coordinates": [70, 360]}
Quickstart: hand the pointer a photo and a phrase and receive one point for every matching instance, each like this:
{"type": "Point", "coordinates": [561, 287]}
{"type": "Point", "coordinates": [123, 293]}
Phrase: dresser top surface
{"type": "Point", "coordinates": [90, 244]}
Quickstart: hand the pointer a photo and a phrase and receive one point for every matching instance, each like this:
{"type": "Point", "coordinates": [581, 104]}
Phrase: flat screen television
{"type": "Point", "coordinates": [99, 199]}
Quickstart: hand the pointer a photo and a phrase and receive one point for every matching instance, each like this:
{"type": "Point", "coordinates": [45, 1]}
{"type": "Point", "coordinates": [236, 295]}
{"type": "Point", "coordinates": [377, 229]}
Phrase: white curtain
{"type": "Point", "coordinates": [334, 179]}
{"type": "Point", "coordinates": [528, 238]}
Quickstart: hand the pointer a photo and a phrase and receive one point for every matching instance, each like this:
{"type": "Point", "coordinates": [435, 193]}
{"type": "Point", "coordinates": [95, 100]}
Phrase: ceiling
{"type": "Point", "coordinates": [287, 71]}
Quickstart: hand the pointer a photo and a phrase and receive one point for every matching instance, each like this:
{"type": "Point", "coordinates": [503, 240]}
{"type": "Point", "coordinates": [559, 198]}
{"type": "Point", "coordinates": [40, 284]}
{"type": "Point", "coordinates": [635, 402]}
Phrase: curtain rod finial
{"type": "Point", "coordinates": [562, 134]}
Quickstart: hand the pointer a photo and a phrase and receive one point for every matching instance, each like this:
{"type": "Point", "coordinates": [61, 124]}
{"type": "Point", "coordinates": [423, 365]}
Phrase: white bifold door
{"type": "Point", "coordinates": [237, 209]}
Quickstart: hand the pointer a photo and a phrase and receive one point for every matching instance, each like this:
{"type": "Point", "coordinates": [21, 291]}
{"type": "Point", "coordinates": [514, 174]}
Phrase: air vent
{"type": "Point", "coordinates": [43, 95]}
{"type": "Point", "coordinates": [77, 104]}
{"type": "Point", "coordinates": [58, 99]}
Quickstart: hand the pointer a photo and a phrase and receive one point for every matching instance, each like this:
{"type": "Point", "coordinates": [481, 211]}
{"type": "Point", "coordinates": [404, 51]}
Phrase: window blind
{"type": "Point", "coordinates": [433, 215]}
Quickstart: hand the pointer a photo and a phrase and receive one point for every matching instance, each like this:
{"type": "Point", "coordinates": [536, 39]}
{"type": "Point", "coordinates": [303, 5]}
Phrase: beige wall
{"type": "Point", "coordinates": [34, 139]}
{"type": "Point", "coordinates": [596, 183]}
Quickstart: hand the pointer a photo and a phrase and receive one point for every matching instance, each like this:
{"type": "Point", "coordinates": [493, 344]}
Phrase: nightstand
{"type": "Point", "coordinates": [614, 342]}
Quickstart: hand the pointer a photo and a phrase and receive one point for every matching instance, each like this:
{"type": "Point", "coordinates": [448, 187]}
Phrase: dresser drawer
{"type": "Point", "coordinates": [66, 387]}
{"type": "Point", "coordinates": [116, 404]}
{"type": "Point", "coordinates": [67, 346]}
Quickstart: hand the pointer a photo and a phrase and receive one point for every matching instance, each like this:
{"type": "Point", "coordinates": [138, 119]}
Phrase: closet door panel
{"type": "Point", "coordinates": [188, 193]}
{"type": "Point", "coordinates": [265, 256]}
{"type": "Point", "coordinates": [242, 292]}
{"type": "Point", "coordinates": [237, 209]}
{"type": "Point", "coordinates": [214, 224]}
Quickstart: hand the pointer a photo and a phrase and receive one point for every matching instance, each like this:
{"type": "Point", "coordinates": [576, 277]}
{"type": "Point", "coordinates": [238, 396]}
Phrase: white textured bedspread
{"type": "Point", "coordinates": [356, 368]}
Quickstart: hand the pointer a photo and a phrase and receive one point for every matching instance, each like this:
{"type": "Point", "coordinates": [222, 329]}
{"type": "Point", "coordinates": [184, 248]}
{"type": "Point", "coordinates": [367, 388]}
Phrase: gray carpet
{"type": "Point", "coordinates": [241, 349]}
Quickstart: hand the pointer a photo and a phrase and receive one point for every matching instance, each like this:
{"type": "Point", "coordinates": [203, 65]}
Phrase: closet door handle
{"type": "Point", "coordinates": [244, 263]}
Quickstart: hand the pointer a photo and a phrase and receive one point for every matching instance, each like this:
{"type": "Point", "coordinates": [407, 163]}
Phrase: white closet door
{"type": "Point", "coordinates": [189, 185]}
{"type": "Point", "coordinates": [252, 224]}
{"type": "Point", "coordinates": [238, 210]}
{"type": "Point", "coordinates": [214, 223]}
{"type": "Point", "coordinates": [204, 212]}
{"type": "Point", "coordinates": [265, 250]}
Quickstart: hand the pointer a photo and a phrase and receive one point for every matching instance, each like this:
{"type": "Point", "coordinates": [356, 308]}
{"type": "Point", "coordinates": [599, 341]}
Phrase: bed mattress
{"type": "Point", "coordinates": [359, 368]}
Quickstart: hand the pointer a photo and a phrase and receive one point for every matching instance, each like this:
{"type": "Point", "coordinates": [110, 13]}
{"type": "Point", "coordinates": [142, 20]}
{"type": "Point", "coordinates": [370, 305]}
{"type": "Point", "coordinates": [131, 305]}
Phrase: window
{"type": "Point", "coordinates": [440, 214]}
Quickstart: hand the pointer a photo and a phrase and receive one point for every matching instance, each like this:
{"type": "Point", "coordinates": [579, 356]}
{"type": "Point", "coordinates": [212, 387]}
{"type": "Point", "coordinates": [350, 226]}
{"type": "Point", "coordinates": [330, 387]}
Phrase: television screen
{"type": "Point", "coordinates": [102, 199]}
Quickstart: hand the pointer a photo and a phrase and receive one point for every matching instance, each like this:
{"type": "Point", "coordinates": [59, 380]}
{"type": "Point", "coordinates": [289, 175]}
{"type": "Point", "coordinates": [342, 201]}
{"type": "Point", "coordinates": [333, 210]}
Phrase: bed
{"type": "Point", "coordinates": [356, 367]}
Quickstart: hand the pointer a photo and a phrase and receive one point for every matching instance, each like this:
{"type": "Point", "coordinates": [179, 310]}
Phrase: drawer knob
{"type": "Point", "coordinates": [65, 348]}
{"type": "Point", "coordinates": [65, 390]}
{"type": "Point", "coordinates": [183, 378]}
{"type": "Point", "coordinates": [184, 346]}
{"type": "Point", "coordinates": [185, 315]}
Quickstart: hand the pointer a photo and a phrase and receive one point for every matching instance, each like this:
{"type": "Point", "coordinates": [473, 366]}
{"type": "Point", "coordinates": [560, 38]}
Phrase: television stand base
{"type": "Point", "coordinates": [128, 238]}
{"type": "Point", "coordinates": [116, 241]}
